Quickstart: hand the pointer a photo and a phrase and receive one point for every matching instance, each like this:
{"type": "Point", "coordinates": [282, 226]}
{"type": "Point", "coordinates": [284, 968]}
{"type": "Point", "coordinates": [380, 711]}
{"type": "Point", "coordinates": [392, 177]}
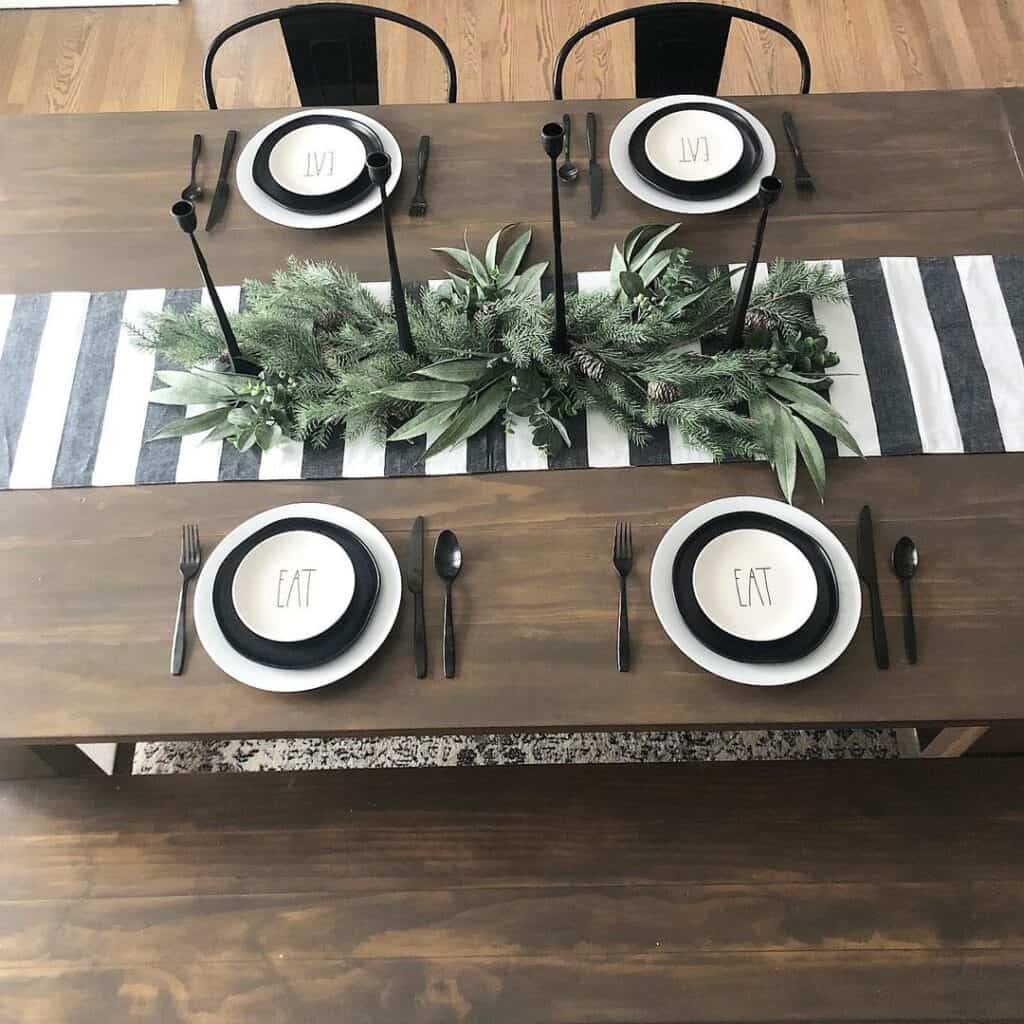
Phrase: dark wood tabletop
{"type": "Point", "coordinates": [85, 198]}
{"type": "Point", "coordinates": [89, 576]}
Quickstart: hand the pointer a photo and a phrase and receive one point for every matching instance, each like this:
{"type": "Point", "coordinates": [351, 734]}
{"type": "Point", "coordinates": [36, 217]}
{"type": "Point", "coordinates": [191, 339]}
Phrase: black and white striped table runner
{"type": "Point", "coordinates": [931, 354]}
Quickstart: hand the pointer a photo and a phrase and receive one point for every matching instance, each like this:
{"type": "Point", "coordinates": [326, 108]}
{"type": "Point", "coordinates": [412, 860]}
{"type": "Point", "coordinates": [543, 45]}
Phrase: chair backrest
{"type": "Point", "coordinates": [680, 47]}
{"type": "Point", "coordinates": [332, 48]}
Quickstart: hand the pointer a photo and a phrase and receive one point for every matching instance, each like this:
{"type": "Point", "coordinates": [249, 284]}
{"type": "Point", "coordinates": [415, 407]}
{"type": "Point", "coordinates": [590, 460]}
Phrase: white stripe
{"type": "Point", "coordinates": [997, 344]}
{"type": "Point", "coordinates": [451, 460]}
{"type": "Point", "coordinates": [43, 426]}
{"type": "Point", "coordinates": [282, 462]}
{"type": "Point", "coordinates": [520, 451]}
{"type": "Point", "coordinates": [850, 393]}
{"type": "Point", "coordinates": [929, 387]}
{"type": "Point", "coordinates": [199, 459]}
{"type": "Point", "coordinates": [124, 419]}
{"type": "Point", "coordinates": [363, 456]}
{"type": "Point", "coordinates": [6, 312]}
{"type": "Point", "coordinates": [607, 445]}
{"type": "Point", "coordinates": [680, 452]}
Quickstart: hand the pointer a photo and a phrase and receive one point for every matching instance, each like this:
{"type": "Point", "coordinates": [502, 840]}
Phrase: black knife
{"type": "Point", "coordinates": [220, 195]}
{"type": "Point", "coordinates": [596, 174]}
{"type": "Point", "coordinates": [415, 572]}
{"type": "Point", "coordinates": [868, 572]}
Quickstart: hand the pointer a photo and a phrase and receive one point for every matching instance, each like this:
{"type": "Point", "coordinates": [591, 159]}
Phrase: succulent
{"type": "Point", "coordinates": [490, 278]}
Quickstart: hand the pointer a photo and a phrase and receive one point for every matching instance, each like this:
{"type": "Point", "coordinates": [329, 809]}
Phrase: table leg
{"type": "Point", "coordinates": [66, 759]}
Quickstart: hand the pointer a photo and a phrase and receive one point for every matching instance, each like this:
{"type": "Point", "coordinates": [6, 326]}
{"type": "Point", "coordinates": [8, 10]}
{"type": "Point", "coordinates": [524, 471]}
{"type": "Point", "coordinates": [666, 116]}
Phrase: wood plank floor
{"type": "Point", "coordinates": [90, 59]}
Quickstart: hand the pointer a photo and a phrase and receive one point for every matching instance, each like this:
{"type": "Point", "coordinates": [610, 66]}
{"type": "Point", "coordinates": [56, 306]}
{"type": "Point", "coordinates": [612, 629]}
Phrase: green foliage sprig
{"type": "Point", "coordinates": [647, 352]}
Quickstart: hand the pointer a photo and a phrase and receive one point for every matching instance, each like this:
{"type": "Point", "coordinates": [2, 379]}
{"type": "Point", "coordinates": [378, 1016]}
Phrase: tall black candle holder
{"type": "Point", "coordinates": [767, 195]}
{"type": "Point", "coordinates": [184, 213]}
{"type": "Point", "coordinates": [552, 137]}
{"type": "Point", "coordinates": [378, 165]}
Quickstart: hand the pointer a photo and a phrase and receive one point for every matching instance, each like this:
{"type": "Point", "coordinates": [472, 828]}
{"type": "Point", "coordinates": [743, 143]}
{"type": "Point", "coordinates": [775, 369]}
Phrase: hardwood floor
{"type": "Point", "coordinates": [139, 58]}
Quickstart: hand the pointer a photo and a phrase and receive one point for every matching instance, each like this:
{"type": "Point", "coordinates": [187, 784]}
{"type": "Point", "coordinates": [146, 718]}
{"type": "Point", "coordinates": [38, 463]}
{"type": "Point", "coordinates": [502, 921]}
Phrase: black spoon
{"type": "Point", "coordinates": [448, 563]}
{"type": "Point", "coordinates": [193, 192]}
{"type": "Point", "coordinates": [567, 170]}
{"type": "Point", "coordinates": [904, 565]}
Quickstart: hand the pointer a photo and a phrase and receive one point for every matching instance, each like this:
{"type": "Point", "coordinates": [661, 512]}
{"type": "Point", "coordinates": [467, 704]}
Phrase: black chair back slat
{"type": "Point", "coordinates": [680, 55]}
{"type": "Point", "coordinates": [680, 47]}
{"type": "Point", "coordinates": [332, 49]}
{"type": "Point", "coordinates": [333, 57]}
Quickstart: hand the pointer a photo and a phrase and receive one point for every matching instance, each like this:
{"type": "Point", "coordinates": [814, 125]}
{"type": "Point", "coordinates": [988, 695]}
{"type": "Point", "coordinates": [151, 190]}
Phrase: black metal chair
{"type": "Point", "coordinates": [333, 51]}
{"type": "Point", "coordinates": [680, 47]}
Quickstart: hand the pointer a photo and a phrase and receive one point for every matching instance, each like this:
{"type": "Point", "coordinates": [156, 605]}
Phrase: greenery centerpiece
{"type": "Point", "coordinates": [647, 351]}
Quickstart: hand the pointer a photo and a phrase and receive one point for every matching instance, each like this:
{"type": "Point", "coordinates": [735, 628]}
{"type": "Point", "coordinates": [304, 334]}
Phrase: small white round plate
{"type": "Point", "coordinates": [295, 680]}
{"type": "Point", "coordinates": [262, 204]}
{"type": "Point", "coordinates": [754, 584]}
{"type": "Point", "coordinates": [663, 595]}
{"type": "Point", "coordinates": [293, 586]}
{"type": "Point", "coordinates": [317, 159]}
{"type": "Point", "coordinates": [622, 166]}
{"type": "Point", "coordinates": [694, 145]}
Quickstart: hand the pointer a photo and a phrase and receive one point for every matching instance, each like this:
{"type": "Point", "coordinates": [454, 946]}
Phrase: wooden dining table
{"type": "Point", "coordinates": [89, 576]}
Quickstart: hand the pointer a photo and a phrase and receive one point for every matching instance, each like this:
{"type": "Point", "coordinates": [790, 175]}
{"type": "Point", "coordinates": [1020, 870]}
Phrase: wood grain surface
{"type": "Point", "coordinates": [798, 892]}
{"type": "Point", "coordinates": [89, 584]}
{"type": "Point", "coordinates": [91, 60]}
{"type": "Point", "coordinates": [84, 200]}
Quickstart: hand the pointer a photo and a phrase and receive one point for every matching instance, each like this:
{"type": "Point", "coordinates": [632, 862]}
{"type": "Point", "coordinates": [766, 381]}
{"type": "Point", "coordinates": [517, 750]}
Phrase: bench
{"type": "Point", "coordinates": [827, 891]}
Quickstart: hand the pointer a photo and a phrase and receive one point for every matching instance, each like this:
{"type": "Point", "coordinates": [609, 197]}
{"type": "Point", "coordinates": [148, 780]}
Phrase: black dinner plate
{"type": "Point", "coordinates": [329, 202]}
{"type": "Point", "coordinates": [317, 650]}
{"type": "Point", "coordinates": [713, 188]}
{"type": "Point", "coordinates": [757, 652]}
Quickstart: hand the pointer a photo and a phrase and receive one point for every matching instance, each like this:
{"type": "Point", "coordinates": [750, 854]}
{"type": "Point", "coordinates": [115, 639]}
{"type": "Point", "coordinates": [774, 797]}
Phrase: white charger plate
{"type": "Point", "coordinates": [266, 207]}
{"type": "Point", "coordinates": [663, 595]}
{"type": "Point", "coordinates": [622, 166]}
{"type": "Point", "coordinates": [295, 680]}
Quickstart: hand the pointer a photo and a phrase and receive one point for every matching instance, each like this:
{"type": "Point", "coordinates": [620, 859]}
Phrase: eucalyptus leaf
{"type": "Point", "coordinates": [831, 422]}
{"type": "Point", "coordinates": [193, 424]}
{"type": "Point", "coordinates": [631, 284]}
{"type": "Point", "coordinates": [235, 382]}
{"type": "Point", "coordinates": [648, 249]}
{"type": "Point", "coordinates": [618, 266]}
{"type": "Point", "coordinates": [676, 306]}
{"type": "Point", "coordinates": [797, 393]}
{"type": "Point", "coordinates": [242, 416]}
{"type": "Point", "coordinates": [425, 391]}
{"type": "Point", "coordinates": [433, 417]}
{"type": "Point", "coordinates": [198, 393]}
{"type": "Point", "coordinates": [456, 370]}
{"type": "Point", "coordinates": [226, 429]}
{"type": "Point", "coordinates": [472, 417]}
{"type": "Point", "coordinates": [467, 261]}
{"type": "Point", "coordinates": [810, 452]}
{"type": "Point", "coordinates": [246, 439]}
{"type": "Point", "coordinates": [784, 451]}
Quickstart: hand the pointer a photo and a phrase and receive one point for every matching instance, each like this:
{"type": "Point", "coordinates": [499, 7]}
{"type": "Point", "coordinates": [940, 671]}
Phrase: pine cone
{"type": "Point", "coordinates": [662, 392]}
{"type": "Point", "coordinates": [762, 320]}
{"type": "Point", "coordinates": [327, 321]}
{"type": "Point", "coordinates": [588, 363]}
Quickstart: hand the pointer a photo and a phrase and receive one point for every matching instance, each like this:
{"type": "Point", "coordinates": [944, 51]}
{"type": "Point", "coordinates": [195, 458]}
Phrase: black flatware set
{"type": "Point", "coordinates": [568, 172]}
{"type": "Point", "coordinates": [448, 565]}
{"type": "Point", "coordinates": [904, 562]}
{"type": "Point", "coordinates": [193, 191]}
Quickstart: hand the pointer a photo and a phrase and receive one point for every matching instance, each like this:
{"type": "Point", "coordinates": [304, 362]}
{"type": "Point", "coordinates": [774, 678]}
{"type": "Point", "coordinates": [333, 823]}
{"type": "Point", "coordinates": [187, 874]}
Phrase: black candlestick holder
{"type": "Point", "coordinates": [767, 195]}
{"type": "Point", "coordinates": [378, 165]}
{"type": "Point", "coordinates": [184, 213]}
{"type": "Point", "coordinates": [552, 137]}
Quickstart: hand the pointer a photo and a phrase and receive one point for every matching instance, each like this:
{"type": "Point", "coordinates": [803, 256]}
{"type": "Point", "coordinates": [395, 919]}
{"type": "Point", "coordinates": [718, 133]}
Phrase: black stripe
{"type": "Point", "coordinates": [1010, 274]}
{"type": "Point", "coordinates": [405, 458]}
{"type": "Point", "coordinates": [17, 367]}
{"type": "Point", "coordinates": [657, 451]}
{"type": "Point", "coordinates": [324, 463]}
{"type": "Point", "coordinates": [575, 456]}
{"type": "Point", "coordinates": [236, 465]}
{"type": "Point", "coordinates": [485, 450]}
{"type": "Point", "coordinates": [158, 460]}
{"type": "Point", "coordinates": [965, 370]}
{"type": "Point", "coordinates": [891, 398]}
{"type": "Point", "coordinates": [83, 423]}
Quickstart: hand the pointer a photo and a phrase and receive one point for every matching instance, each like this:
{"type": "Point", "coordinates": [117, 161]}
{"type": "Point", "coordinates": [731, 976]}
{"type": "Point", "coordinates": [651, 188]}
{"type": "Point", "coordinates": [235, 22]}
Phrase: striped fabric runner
{"type": "Point", "coordinates": [931, 354]}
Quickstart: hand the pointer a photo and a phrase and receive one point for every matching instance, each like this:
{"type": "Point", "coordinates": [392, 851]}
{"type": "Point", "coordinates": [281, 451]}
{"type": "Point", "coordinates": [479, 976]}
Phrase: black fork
{"type": "Point", "coordinates": [622, 559]}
